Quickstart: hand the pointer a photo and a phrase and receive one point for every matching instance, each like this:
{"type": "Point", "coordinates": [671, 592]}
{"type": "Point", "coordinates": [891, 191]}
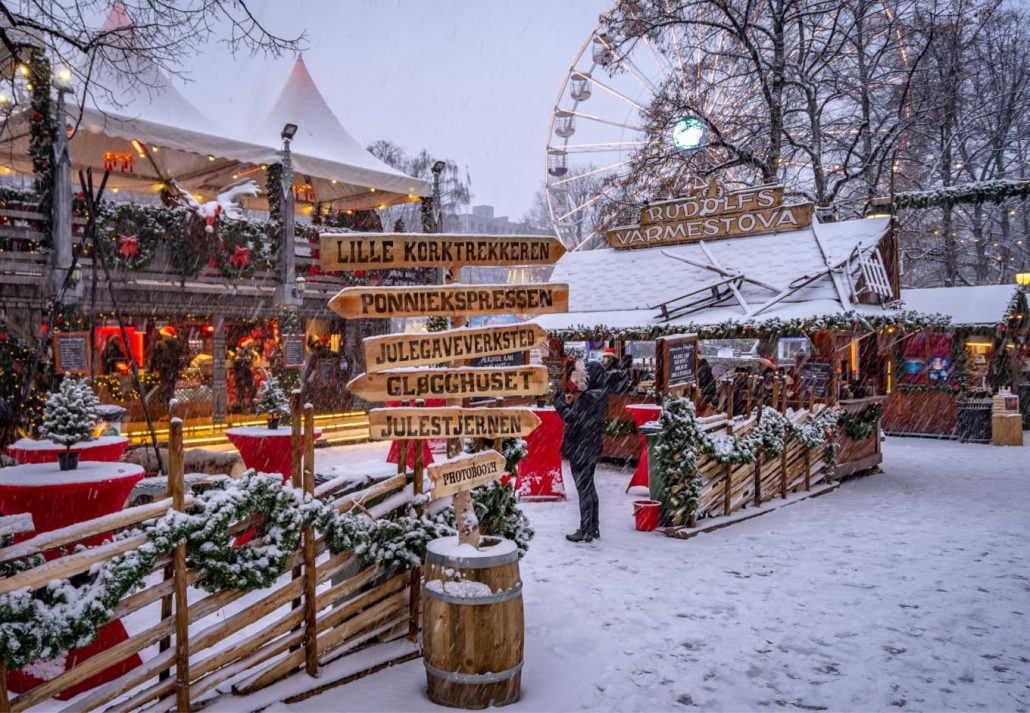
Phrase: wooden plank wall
{"type": "Point", "coordinates": [321, 608]}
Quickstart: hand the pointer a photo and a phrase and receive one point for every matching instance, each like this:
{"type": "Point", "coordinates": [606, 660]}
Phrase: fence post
{"type": "Point", "coordinates": [176, 485]}
{"type": "Point", "coordinates": [5, 702]}
{"type": "Point", "coordinates": [310, 573]}
{"type": "Point", "coordinates": [783, 469]}
{"type": "Point", "coordinates": [727, 490]}
{"type": "Point", "coordinates": [296, 465]}
{"type": "Point", "coordinates": [415, 584]}
{"type": "Point", "coordinates": [775, 392]}
{"type": "Point", "coordinates": [808, 468]}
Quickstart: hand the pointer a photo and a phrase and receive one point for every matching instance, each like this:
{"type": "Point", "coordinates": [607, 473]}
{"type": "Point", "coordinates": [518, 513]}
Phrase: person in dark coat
{"type": "Point", "coordinates": [583, 412]}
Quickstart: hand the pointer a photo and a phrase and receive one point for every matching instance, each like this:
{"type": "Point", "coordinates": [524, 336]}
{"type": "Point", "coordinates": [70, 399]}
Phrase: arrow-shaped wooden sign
{"type": "Point", "coordinates": [400, 350]}
{"type": "Point", "coordinates": [449, 301]}
{"type": "Point", "coordinates": [386, 424]}
{"type": "Point", "coordinates": [362, 251]}
{"type": "Point", "coordinates": [466, 382]}
{"type": "Point", "coordinates": [465, 472]}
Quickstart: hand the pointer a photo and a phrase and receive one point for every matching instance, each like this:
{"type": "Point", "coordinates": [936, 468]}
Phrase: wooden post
{"type": "Point", "coordinates": [727, 490]}
{"type": "Point", "coordinates": [296, 466]}
{"type": "Point", "coordinates": [758, 480]}
{"type": "Point", "coordinates": [783, 470]}
{"type": "Point", "coordinates": [783, 397]}
{"type": "Point", "coordinates": [219, 378]}
{"type": "Point", "coordinates": [808, 468]}
{"type": "Point", "coordinates": [415, 584]}
{"type": "Point", "coordinates": [402, 457]}
{"type": "Point", "coordinates": [834, 395]}
{"type": "Point", "coordinates": [168, 573]}
{"type": "Point", "coordinates": [177, 487]}
{"type": "Point", "coordinates": [310, 573]}
{"type": "Point", "coordinates": [775, 393]}
{"type": "Point", "coordinates": [5, 702]}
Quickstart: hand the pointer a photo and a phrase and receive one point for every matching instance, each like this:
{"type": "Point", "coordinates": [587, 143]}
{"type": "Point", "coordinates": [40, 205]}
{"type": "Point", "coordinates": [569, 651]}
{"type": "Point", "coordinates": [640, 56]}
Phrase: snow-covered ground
{"type": "Point", "coordinates": [907, 590]}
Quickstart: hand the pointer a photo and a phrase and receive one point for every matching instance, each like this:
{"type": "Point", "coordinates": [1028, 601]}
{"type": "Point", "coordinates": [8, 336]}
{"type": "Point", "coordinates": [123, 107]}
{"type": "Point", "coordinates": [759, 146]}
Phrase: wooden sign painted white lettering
{"type": "Point", "coordinates": [362, 251]}
{"type": "Point", "coordinates": [400, 350]}
{"type": "Point", "coordinates": [465, 472]}
{"type": "Point", "coordinates": [386, 424]}
{"type": "Point", "coordinates": [451, 300]}
{"type": "Point", "coordinates": [468, 382]}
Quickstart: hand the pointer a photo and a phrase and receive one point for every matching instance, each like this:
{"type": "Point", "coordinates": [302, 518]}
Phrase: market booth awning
{"type": "Point", "coordinates": [986, 305]}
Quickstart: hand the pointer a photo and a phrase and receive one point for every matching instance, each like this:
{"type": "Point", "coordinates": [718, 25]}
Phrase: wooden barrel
{"type": "Point", "coordinates": [472, 623]}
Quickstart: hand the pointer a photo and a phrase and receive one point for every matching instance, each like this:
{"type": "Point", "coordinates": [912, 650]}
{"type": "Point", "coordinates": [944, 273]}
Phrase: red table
{"type": "Point", "coordinates": [540, 471]}
{"type": "Point", "coordinates": [57, 499]}
{"type": "Point", "coordinates": [641, 414]}
{"type": "Point", "coordinates": [106, 448]}
{"type": "Point", "coordinates": [266, 450]}
{"type": "Point", "coordinates": [427, 454]}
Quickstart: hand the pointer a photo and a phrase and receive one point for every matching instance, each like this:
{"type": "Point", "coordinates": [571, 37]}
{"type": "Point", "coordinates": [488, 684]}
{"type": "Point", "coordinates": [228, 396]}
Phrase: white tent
{"type": "Point", "coordinates": [322, 146]}
{"type": "Point", "coordinates": [155, 134]}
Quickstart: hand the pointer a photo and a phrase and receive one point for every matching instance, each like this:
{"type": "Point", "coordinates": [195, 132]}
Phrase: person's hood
{"type": "Point", "coordinates": [595, 375]}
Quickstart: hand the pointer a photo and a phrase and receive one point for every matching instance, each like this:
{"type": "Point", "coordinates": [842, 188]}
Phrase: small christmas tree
{"type": "Point", "coordinates": [70, 413]}
{"type": "Point", "coordinates": [272, 399]}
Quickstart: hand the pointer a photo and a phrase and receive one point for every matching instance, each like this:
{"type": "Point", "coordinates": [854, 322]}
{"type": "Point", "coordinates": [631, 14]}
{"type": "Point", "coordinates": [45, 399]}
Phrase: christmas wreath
{"type": "Point", "coordinates": [241, 248]}
{"type": "Point", "coordinates": [133, 233]}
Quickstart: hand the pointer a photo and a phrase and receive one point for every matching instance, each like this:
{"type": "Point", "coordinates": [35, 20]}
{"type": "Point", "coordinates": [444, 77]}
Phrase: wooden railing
{"type": "Point", "coordinates": [322, 607]}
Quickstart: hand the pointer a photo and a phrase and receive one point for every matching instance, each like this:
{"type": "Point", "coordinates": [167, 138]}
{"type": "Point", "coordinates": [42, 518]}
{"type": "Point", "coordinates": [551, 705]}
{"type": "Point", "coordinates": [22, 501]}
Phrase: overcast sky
{"type": "Point", "coordinates": [471, 80]}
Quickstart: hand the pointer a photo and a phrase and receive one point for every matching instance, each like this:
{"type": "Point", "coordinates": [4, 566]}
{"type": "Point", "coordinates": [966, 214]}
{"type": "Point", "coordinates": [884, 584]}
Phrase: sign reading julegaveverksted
{"type": "Point", "coordinates": [451, 300]}
{"type": "Point", "coordinates": [400, 350]}
{"type": "Point", "coordinates": [710, 212]}
{"type": "Point", "coordinates": [466, 382]}
{"type": "Point", "coordinates": [362, 251]}
{"type": "Point", "coordinates": [385, 424]}
{"type": "Point", "coordinates": [465, 472]}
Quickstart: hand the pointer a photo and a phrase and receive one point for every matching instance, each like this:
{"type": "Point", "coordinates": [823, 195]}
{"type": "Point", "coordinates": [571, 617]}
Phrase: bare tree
{"type": "Point", "coordinates": [455, 189]}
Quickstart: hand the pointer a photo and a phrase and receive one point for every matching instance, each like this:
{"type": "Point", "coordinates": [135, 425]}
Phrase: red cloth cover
{"type": "Point", "coordinates": [539, 473]}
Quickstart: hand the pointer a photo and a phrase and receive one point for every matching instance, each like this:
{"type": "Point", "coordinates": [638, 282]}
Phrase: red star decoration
{"type": "Point", "coordinates": [240, 257]}
{"type": "Point", "coordinates": [128, 246]}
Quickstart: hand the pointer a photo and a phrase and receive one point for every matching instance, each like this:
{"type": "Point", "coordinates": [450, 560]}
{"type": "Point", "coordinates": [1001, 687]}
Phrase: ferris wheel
{"type": "Point", "coordinates": [605, 123]}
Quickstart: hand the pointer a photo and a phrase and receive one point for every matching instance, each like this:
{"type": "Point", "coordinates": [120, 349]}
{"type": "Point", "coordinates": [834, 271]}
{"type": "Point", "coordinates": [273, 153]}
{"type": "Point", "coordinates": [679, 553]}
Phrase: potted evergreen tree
{"type": "Point", "coordinates": [272, 401]}
{"type": "Point", "coordinates": [68, 418]}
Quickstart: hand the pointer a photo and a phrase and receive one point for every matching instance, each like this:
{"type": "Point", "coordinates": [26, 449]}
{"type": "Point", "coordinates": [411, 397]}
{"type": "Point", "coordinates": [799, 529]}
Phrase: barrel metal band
{"type": "Point", "coordinates": [474, 678]}
{"type": "Point", "coordinates": [473, 562]}
{"type": "Point", "coordinates": [475, 601]}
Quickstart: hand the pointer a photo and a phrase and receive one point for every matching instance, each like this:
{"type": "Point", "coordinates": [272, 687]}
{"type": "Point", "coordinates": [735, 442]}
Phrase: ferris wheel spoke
{"type": "Point", "coordinates": [602, 147]}
{"type": "Point", "coordinates": [677, 49]}
{"type": "Point", "coordinates": [630, 67]}
{"type": "Point", "coordinates": [619, 95]}
{"type": "Point", "coordinates": [582, 206]}
{"type": "Point", "coordinates": [602, 120]}
{"type": "Point", "coordinates": [587, 174]}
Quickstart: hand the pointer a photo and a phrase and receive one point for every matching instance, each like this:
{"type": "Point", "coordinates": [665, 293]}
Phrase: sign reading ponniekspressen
{"type": "Point", "coordinates": [449, 301]}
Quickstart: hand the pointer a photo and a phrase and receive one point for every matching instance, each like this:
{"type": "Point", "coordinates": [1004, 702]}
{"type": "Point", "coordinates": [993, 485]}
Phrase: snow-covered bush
{"type": "Point", "coordinates": [272, 399]}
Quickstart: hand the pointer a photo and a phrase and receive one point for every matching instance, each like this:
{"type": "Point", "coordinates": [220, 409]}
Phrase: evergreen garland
{"type": "Point", "coordinates": [682, 442]}
{"type": "Point", "coordinates": [41, 131]}
{"type": "Point", "coordinates": [64, 615]}
{"type": "Point", "coordinates": [860, 426]}
{"type": "Point", "coordinates": [995, 191]}
{"type": "Point", "coordinates": [14, 362]}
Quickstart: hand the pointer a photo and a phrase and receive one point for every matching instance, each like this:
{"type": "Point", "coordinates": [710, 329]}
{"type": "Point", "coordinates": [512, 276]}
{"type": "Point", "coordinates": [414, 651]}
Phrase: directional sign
{"type": "Point", "coordinates": [457, 383]}
{"type": "Point", "coordinates": [465, 472]}
{"type": "Point", "coordinates": [400, 350]}
{"type": "Point", "coordinates": [361, 251]}
{"type": "Point", "coordinates": [385, 424]}
{"type": "Point", "coordinates": [449, 301]}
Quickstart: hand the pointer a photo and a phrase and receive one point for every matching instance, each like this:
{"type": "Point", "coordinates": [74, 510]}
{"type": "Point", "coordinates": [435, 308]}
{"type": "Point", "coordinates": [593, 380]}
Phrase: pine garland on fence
{"type": "Point", "coordinates": [682, 443]}
{"type": "Point", "coordinates": [995, 191]}
{"type": "Point", "coordinates": [65, 616]}
{"type": "Point", "coordinates": [860, 426]}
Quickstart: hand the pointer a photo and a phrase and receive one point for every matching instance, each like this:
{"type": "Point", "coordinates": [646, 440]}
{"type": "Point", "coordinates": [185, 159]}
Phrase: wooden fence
{"type": "Point", "coordinates": [323, 606]}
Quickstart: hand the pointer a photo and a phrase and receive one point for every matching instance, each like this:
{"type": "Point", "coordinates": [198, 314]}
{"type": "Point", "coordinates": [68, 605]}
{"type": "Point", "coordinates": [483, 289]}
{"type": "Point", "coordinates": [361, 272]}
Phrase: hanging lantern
{"type": "Point", "coordinates": [120, 160]}
{"type": "Point", "coordinates": [304, 192]}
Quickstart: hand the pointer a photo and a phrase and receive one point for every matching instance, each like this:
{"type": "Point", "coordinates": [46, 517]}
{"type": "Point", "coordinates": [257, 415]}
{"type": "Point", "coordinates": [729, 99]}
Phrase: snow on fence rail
{"type": "Point", "coordinates": [323, 606]}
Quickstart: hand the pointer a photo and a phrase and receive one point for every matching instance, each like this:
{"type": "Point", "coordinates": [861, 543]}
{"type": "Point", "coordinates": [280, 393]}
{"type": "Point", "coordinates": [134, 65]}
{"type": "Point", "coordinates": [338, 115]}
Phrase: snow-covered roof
{"type": "Point", "coordinates": [625, 288]}
{"type": "Point", "coordinates": [322, 145]}
{"type": "Point", "coordinates": [969, 305]}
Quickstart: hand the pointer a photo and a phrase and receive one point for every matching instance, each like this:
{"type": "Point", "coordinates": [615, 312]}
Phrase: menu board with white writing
{"type": "Point", "coordinates": [293, 351]}
{"type": "Point", "coordinates": [71, 353]}
{"type": "Point", "coordinates": [816, 377]}
{"type": "Point", "coordinates": [677, 362]}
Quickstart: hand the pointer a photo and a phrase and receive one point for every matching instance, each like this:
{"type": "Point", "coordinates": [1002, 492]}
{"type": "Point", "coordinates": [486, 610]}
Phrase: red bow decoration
{"type": "Point", "coordinates": [128, 245]}
{"type": "Point", "coordinates": [240, 257]}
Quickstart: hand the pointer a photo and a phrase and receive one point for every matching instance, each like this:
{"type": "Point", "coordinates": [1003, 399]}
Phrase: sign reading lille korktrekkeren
{"type": "Point", "coordinates": [361, 251]}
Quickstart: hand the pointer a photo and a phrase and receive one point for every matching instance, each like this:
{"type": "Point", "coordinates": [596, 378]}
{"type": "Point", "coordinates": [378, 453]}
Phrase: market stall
{"type": "Point", "coordinates": [772, 293]}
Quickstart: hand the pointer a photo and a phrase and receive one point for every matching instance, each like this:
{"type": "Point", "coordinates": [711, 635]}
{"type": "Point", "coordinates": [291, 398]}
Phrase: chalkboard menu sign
{"type": "Point", "coordinates": [71, 353]}
{"type": "Point", "coordinates": [326, 372]}
{"type": "Point", "coordinates": [816, 376]}
{"type": "Point", "coordinates": [293, 350]}
{"type": "Point", "coordinates": [676, 362]}
{"type": "Point", "coordinates": [512, 359]}
{"type": "Point", "coordinates": [402, 276]}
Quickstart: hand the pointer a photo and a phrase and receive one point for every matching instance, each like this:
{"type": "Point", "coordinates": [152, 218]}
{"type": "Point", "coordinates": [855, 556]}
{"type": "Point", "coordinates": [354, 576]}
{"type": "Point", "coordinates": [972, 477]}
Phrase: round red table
{"type": "Point", "coordinates": [539, 476]}
{"type": "Point", "coordinates": [266, 450]}
{"type": "Point", "coordinates": [108, 449]}
{"type": "Point", "coordinates": [641, 414]}
{"type": "Point", "coordinates": [57, 499]}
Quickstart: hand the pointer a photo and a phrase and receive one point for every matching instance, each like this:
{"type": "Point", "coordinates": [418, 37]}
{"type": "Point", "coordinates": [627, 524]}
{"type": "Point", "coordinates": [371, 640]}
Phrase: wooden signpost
{"type": "Point", "coordinates": [464, 472]}
{"type": "Point", "coordinates": [364, 251]}
{"type": "Point", "coordinates": [443, 383]}
{"type": "Point", "coordinates": [449, 301]}
{"type": "Point", "coordinates": [401, 350]}
{"type": "Point", "coordinates": [386, 424]}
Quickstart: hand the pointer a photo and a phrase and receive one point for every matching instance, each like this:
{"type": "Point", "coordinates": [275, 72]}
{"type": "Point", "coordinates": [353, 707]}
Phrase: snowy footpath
{"type": "Point", "coordinates": [906, 590]}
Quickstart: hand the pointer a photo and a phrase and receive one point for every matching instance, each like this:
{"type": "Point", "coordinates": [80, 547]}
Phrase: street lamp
{"type": "Point", "coordinates": [288, 132]}
{"type": "Point", "coordinates": [438, 168]}
{"type": "Point", "coordinates": [1023, 279]}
